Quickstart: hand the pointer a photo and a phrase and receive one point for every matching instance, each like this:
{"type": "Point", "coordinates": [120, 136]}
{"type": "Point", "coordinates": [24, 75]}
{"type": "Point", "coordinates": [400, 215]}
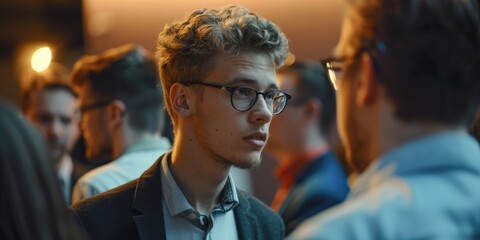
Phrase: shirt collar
{"type": "Point", "coordinates": [228, 196]}
{"type": "Point", "coordinates": [64, 174]}
{"type": "Point", "coordinates": [428, 153]}
{"type": "Point", "coordinates": [65, 168]}
{"type": "Point", "coordinates": [175, 199]}
{"type": "Point", "coordinates": [149, 144]}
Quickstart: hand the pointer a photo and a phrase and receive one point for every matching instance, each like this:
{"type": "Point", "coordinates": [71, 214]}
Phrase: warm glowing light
{"type": "Point", "coordinates": [41, 59]}
{"type": "Point", "coordinates": [290, 60]}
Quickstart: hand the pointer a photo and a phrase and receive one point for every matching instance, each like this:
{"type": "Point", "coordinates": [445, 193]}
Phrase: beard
{"type": "Point", "coordinates": [248, 164]}
{"type": "Point", "coordinates": [56, 152]}
{"type": "Point", "coordinates": [357, 145]}
{"type": "Point", "coordinates": [242, 161]}
{"type": "Point", "coordinates": [98, 153]}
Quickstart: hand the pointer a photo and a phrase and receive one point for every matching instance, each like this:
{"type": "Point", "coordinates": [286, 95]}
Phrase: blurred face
{"type": "Point", "coordinates": [227, 135]}
{"type": "Point", "coordinates": [98, 139]}
{"type": "Point", "coordinates": [286, 128]}
{"type": "Point", "coordinates": [53, 112]}
{"type": "Point", "coordinates": [351, 122]}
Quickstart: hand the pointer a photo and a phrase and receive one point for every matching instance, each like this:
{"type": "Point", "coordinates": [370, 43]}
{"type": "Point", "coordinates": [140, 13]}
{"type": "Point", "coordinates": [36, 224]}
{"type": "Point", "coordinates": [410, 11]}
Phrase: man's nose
{"type": "Point", "coordinates": [55, 128]}
{"type": "Point", "coordinates": [261, 111]}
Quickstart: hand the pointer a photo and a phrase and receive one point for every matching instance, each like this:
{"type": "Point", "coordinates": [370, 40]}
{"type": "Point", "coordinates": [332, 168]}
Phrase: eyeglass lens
{"type": "Point", "coordinates": [244, 98]}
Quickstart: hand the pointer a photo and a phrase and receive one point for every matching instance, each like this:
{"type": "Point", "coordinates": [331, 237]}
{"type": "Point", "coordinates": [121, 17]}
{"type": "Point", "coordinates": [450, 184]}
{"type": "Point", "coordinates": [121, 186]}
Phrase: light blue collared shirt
{"type": "Point", "coordinates": [428, 188]}
{"type": "Point", "coordinates": [130, 165]}
{"type": "Point", "coordinates": [64, 174]}
{"type": "Point", "coordinates": [184, 222]}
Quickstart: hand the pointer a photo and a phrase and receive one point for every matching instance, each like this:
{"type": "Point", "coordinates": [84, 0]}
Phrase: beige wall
{"type": "Point", "coordinates": [312, 26]}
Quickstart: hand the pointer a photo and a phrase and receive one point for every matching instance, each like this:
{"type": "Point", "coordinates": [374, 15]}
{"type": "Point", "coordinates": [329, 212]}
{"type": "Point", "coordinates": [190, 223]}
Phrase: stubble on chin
{"type": "Point", "coordinates": [99, 155]}
{"type": "Point", "coordinates": [56, 159]}
{"type": "Point", "coordinates": [357, 155]}
{"type": "Point", "coordinates": [56, 153]}
{"type": "Point", "coordinates": [250, 164]}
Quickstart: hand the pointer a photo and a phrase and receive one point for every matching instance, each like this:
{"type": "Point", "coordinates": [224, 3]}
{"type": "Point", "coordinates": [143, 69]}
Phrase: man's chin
{"type": "Point", "coordinates": [248, 162]}
{"type": "Point", "coordinates": [97, 157]}
{"type": "Point", "coordinates": [56, 156]}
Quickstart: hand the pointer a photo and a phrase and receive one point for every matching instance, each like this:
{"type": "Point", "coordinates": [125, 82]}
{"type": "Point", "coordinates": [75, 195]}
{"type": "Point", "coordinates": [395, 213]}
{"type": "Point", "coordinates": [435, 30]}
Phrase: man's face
{"type": "Point", "coordinates": [54, 113]}
{"type": "Point", "coordinates": [227, 135]}
{"type": "Point", "coordinates": [286, 128]}
{"type": "Point", "coordinates": [98, 138]}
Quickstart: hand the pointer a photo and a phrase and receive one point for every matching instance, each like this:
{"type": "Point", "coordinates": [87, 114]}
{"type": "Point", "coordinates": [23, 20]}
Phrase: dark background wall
{"type": "Point", "coordinates": [27, 24]}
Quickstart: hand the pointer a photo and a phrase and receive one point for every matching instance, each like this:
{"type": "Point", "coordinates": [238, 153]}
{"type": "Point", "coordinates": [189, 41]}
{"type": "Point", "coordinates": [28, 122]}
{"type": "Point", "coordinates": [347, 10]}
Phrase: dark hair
{"type": "Point", "coordinates": [32, 206]}
{"type": "Point", "coordinates": [427, 54]}
{"type": "Point", "coordinates": [55, 77]}
{"type": "Point", "coordinates": [186, 48]}
{"type": "Point", "coordinates": [127, 73]}
{"type": "Point", "coordinates": [312, 83]}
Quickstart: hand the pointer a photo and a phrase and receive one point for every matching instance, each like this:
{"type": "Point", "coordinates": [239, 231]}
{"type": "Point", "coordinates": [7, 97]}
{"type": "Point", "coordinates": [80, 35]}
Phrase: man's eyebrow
{"type": "Point", "coordinates": [242, 80]}
{"type": "Point", "coordinates": [249, 81]}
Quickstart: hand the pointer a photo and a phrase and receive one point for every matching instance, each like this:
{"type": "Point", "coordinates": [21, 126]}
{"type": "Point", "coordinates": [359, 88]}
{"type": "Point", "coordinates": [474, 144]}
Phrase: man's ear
{"type": "Point", "coordinates": [116, 111]}
{"type": "Point", "coordinates": [368, 86]}
{"type": "Point", "coordinates": [179, 98]}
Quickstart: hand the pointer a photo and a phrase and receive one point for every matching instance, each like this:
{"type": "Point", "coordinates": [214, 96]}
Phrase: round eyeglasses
{"type": "Point", "coordinates": [243, 97]}
{"type": "Point", "coordinates": [335, 66]}
{"type": "Point", "coordinates": [99, 104]}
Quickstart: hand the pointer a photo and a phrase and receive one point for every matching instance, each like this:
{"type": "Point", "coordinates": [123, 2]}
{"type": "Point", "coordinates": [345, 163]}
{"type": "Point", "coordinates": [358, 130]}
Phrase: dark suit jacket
{"type": "Point", "coordinates": [322, 184]}
{"type": "Point", "coordinates": [134, 211]}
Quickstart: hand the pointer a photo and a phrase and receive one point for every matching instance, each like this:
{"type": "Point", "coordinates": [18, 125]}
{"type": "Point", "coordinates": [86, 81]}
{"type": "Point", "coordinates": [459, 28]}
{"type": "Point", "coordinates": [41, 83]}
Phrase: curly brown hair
{"type": "Point", "coordinates": [186, 49]}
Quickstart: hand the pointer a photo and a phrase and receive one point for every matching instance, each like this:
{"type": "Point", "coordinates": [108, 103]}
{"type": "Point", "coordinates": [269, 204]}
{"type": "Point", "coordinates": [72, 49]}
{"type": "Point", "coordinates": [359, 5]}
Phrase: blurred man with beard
{"type": "Point", "coordinates": [49, 102]}
{"type": "Point", "coordinates": [407, 79]}
{"type": "Point", "coordinates": [122, 116]}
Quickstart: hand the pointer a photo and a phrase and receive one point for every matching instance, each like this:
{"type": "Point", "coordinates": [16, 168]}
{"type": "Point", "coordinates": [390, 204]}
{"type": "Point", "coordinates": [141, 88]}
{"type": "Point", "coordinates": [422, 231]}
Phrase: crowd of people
{"type": "Point", "coordinates": [380, 141]}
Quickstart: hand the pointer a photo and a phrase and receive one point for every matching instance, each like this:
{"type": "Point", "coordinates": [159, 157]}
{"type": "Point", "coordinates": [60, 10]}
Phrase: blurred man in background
{"type": "Point", "coordinates": [311, 179]}
{"type": "Point", "coordinates": [49, 102]}
{"type": "Point", "coordinates": [122, 116]}
{"type": "Point", "coordinates": [407, 78]}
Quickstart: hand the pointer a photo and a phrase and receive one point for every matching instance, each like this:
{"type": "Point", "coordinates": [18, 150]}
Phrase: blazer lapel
{"type": "Point", "coordinates": [247, 224]}
{"type": "Point", "coordinates": [148, 204]}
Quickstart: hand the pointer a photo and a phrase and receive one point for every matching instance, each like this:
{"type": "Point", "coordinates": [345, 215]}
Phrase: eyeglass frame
{"type": "Point", "coordinates": [374, 51]}
{"type": "Point", "coordinates": [232, 89]}
{"type": "Point", "coordinates": [99, 104]}
{"type": "Point", "coordinates": [331, 71]}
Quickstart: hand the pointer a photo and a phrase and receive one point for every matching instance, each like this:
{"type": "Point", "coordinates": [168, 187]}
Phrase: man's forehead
{"type": "Point", "coordinates": [248, 68]}
{"type": "Point", "coordinates": [57, 91]}
{"type": "Point", "coordinates": [56, 104]}
{"type": "Point", "coordinates": [50, 96]}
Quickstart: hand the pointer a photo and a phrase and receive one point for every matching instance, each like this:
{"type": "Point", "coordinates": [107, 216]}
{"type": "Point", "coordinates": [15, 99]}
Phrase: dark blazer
{"type": "Point", "coordinates": [322, 184]}
{"type": "Point", "coordinates": [134, 211]}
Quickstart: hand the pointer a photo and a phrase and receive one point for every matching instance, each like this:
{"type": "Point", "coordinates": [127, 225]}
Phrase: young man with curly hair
{"type": "Point", "coordinates": [217, 69]}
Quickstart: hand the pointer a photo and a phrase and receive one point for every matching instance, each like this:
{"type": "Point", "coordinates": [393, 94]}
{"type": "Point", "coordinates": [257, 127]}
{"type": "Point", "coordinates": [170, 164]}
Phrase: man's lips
{"type": "Point", "coordinates": [256, 139]}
